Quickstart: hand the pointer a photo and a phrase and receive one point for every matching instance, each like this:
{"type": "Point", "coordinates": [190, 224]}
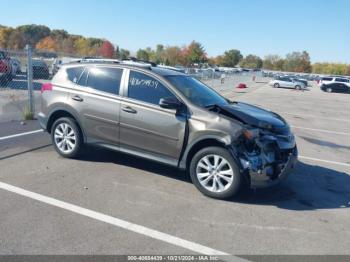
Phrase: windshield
{"type": "Point", "coordinates": [197, 92]}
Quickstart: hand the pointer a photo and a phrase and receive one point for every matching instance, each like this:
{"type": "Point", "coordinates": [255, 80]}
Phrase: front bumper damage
{"type": "Point", "coordinates": [268, 159]}
{"type": "Point", "coordinates": [262, 179]}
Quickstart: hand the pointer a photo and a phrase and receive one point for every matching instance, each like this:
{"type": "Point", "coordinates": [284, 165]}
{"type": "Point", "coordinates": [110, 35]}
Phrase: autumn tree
{"type": "Point", "coordinates": [195, 53]}
{"type": "Point", "coordinates": [16, 40]}
{"type": "Point", "coordinates": [59, 34]}
{"type": "Point", "coordinates": [67, 46]}
{"type": "Point", "coordinates": [5, 33]}
{"type": "Point", "coordinates": [47, 44]}
{"type": "Point", "coordinates": [124, 54]}
{"type": "Point", "coordinates": [142, 54]}
{"type": "Point", "coordinates": [251, 62]}
{"type": "Point", "coordinates": [117, 52]}
{"type": "Point", "coordinates": [159, 54]}
{"type": "Point", "coordinates": [32, 34]}
{"type": "Point", "coordinates": [273, 62]}
{"type": "Point", "coordinates": [331, 68]}
{"type": "Point", "coordinates": [82, 46]}
{"type": "Point", "coordinates": [107, 49]}
{"type": "Point", "coordinates": [298, 62]}
{"type": "Point", "coordinates": [173, 56]}
{"type": "Point", "coordinates": [231, 58]}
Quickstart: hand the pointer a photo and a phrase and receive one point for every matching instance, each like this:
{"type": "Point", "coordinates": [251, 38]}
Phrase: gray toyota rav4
{"type": "Point", "coordinates": [169, 117]}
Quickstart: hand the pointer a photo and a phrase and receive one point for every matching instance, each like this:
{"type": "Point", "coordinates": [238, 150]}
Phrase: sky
{"type": "Point", "coordinates": [261, 27]}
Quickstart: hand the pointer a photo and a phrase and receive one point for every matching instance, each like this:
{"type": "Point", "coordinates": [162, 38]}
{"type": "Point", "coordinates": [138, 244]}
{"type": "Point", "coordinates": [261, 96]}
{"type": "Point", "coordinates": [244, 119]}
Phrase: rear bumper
{"type": "Point", "coordinates": [262, 180]}
{"type": "Point", "coordinates": [42, 120]}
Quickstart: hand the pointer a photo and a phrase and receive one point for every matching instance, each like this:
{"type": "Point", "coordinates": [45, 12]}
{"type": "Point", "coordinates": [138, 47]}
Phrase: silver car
{"type": "Point", "coordinates": [287, 82]}
{"type": "Point", "coordinates": [166, 116]}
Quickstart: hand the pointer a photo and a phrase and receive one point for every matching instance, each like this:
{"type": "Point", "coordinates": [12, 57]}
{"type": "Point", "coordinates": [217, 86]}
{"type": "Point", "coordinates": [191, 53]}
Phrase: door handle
{"type": "Point", "coordinates": [129, 109]}
{"type": "Point", "coordinates": [78, 98]}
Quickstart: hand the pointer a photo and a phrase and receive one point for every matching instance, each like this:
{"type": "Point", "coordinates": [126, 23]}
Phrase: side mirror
{"type": "Point", "coordinates": [170, 103]}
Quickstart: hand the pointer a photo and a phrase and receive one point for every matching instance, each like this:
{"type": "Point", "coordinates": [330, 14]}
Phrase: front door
{"type": "Point", "coordinates": [145, 126]}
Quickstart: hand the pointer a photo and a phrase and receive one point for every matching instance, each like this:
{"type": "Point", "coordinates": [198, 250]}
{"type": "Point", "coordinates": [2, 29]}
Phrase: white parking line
{"type": "Point", "coordinates": [117, 222]}
{"type": "Point", "coordinates": [324, 161]}
{"type": "Point", "coordinates": [322, 130]}
{"type": "Point", "coordinates": [21, 134]}
{"type": "Point", "coordinates": [321, 117]}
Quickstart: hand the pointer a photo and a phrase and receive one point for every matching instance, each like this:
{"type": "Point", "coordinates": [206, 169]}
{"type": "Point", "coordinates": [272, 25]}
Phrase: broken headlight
{"type": "Point", "coordinates": [250, 134]}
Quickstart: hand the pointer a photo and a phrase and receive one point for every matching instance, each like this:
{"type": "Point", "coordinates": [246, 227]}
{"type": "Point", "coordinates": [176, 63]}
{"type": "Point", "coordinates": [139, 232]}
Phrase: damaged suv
{"type": "Point", "coordinates": [169, 117]}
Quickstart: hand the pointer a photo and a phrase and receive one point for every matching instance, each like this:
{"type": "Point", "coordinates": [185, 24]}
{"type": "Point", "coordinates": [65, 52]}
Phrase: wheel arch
{"type": "Point", "coordinates": [60, 112]}
{"type": "Point", "coordinates": [199, 144]}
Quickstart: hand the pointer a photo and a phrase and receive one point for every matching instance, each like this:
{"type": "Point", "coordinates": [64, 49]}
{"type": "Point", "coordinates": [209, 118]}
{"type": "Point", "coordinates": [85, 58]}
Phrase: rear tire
{"type": "Point", "coordinates": [329, 90]}
{"type": "Point", "coordinates": [297, 87]}
{"type": "Point", "coordinates": [215, 173]}
{"type": "Point", "coordinates": [66, 137]}
{"type": "Point", "coordinates": [276, 85]}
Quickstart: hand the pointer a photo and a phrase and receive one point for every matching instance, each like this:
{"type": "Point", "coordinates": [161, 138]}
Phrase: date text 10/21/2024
{"type": "Point", "coordinates": [173, 258]}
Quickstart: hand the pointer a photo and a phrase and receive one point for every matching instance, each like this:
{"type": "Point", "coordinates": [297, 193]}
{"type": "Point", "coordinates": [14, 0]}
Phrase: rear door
{"type": "Point", "coordinates": [287, 82]}
{"type": "Point", "coordinates": [97, 101]}
{"type": "Point", "coordinates": [145, 127]}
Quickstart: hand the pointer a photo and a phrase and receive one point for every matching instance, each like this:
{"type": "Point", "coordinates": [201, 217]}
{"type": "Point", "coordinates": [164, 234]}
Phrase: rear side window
{"type": "Point", "coordinates": [343, 80]}
{"type": "Point", "coordinates": [105, 79]}
{"type": "Point", "coordinates": [147, 89]}
{"type": "Point", "coordinates": [74, 73]}
{"type": "Point", "coordinates": [285, 79]}
{"type": "Point", "coordinates": [327, 79]}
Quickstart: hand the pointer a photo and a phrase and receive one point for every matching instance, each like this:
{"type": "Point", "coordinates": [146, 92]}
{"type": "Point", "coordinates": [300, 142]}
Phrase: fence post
{"type": "Point", "coordinates": [30, 79]}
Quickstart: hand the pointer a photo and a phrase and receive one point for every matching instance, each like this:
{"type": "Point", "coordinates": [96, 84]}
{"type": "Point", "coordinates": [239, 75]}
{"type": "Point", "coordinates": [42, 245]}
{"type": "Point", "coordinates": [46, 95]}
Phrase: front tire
{"type": "Point", "coordinates": [297, 87]}
{"type": "Point", "coordinates": [66, 137]}
{"type": "Point", "coordinates": [276, 85]}
{"type": "Point", "coordinates": [329, 90]}
{"type": "Point", "coordinates": [215, 173]}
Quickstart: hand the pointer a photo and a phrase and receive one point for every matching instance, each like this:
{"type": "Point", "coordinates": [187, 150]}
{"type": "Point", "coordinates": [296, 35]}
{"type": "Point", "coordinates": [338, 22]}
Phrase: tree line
{"type": "Point", "coordinates": [60, 41]}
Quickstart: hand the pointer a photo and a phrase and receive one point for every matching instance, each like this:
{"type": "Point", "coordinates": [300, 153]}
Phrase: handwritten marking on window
{"type": "Point", "coordinates": [144, 82]}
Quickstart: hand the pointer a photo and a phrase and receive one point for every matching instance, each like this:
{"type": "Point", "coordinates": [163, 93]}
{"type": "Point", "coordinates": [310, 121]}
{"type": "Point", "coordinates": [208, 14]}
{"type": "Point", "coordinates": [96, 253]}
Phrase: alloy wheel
{"type": "Point", "coordinates": [214, 173]}
{"type": "Point", "coordinates": [65, 138]}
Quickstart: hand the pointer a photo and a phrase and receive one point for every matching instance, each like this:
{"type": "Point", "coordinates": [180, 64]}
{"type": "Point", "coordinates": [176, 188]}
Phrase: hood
{"type": "Point", "coordinates": [254, 116]}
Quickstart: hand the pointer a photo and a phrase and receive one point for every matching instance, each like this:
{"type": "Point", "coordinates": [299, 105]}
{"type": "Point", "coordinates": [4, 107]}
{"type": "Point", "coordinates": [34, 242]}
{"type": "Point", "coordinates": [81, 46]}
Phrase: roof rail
{"type": "Point", "coordinates": [140, 61]}
{"type": "Point", "coordinates": [98, 60]}
{"type": "Point", "coordinates": [131, 62]}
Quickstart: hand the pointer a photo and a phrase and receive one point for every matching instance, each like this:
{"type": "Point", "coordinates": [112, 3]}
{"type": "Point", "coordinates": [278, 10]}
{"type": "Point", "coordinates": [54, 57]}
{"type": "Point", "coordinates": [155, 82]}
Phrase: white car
{"type": "Point", "coordinates": [287, 82]}
{"type": "Point", "coordinates": [330, 80]}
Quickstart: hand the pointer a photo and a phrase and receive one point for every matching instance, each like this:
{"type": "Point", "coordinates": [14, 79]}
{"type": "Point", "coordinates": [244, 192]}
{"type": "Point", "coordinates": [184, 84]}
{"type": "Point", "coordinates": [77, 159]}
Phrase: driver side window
{"type": "Point", "coordinates": [146, 89]}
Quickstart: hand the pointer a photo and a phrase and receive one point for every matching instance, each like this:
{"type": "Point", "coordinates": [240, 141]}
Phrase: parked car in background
{"type": "Point", "coordinates": [287, 82]}
{"type": "Point", "coordinates": [330, 79]}
{"type": "Point", "coordinates": [40, 70]}
{"type": "Point", "coordinates": [336, 87]}
{"type": "Point", "coordinates": [5, 68]}
{"type": "Point", "coordinates": [304, 81]}
{"type": "Point", "coordinates": [167, 116]}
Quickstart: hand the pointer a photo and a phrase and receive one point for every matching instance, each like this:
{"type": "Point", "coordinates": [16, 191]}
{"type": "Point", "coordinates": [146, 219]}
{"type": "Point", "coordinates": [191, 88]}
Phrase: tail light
{"type": "Point", "coordinates": [46, 87]}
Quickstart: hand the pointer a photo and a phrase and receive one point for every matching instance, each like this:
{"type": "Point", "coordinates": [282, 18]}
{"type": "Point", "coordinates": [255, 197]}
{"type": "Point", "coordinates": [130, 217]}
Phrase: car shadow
{"type": "Point", "coordinates": [97, 154]}
{"type": "Point", "coordinates": [309, 187]}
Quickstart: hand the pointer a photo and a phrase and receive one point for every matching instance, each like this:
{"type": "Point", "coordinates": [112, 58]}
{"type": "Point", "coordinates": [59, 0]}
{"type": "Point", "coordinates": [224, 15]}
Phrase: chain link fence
{"type": "Point", "coordinates": [23, 72]}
